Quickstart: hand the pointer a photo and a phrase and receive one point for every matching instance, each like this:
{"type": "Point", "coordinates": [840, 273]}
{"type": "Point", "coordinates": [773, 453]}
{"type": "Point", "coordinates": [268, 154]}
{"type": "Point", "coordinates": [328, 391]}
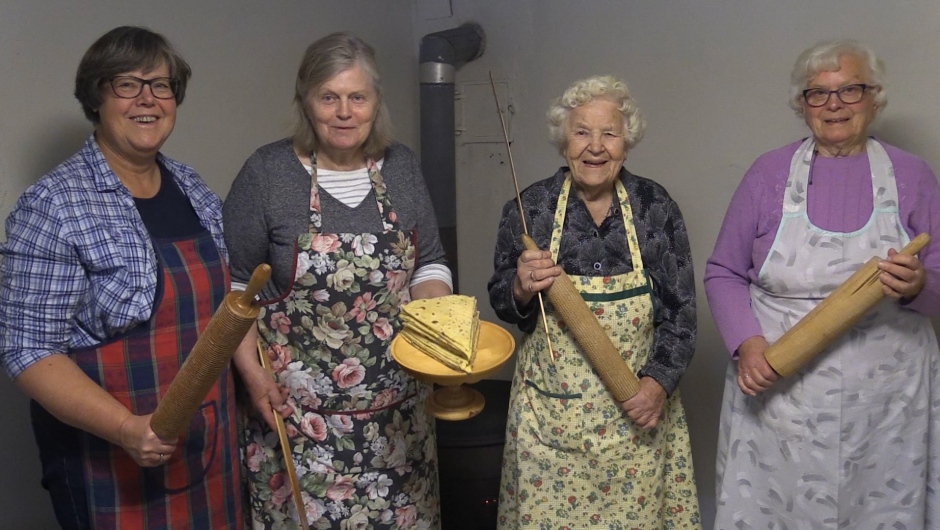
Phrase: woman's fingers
{"type": "Point", "coordinates": [744, 386]}
{"type": "Point", "coordinates": [144, 446]}
{"type": "Point", "coordinates": [535, 272]}
{"type": "Point", "coordinates": [903, 276]}
{"type": "Point", "coordinates": [754, 372]}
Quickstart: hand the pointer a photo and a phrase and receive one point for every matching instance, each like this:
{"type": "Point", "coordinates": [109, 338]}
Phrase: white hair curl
{"type": "Point", "coordinates": [583, 92]}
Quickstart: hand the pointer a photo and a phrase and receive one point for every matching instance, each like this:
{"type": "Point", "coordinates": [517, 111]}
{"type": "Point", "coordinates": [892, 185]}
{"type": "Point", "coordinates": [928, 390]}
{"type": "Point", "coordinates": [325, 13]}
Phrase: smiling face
{"type": "Point", "coordinates": [595, 149]}
{"type": "Point", "coordinates": [342, 111]}
{"type": "Point", "coordinates": [135, 128]}
{"type": "Point", "coordinates": [841, 129]}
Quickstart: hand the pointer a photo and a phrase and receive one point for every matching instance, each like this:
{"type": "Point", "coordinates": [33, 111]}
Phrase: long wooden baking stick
{"type": "Point", "coordinates": [210, 355]}
{"type": "Point", "coordinates": [285, 448]}
{"type": "Point", "coordinates": [833, 316]}
{"type": "Point", "coordinates": [525, 229]}
{"type": "Point", "coordinates": [587, 331]}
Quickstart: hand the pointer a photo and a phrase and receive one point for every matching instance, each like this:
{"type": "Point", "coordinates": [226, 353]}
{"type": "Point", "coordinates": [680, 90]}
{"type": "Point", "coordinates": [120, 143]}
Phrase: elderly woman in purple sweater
{"type": "Point", "coordinates": [843, 443]}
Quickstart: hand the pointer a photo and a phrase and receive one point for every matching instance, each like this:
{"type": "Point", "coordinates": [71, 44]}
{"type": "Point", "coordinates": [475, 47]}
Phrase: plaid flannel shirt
{"type": "Point", "coordinates": [78, 265]}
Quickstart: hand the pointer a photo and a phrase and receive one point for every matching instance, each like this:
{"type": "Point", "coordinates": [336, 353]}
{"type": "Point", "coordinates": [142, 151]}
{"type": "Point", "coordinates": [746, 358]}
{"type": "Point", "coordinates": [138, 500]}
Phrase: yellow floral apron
{"type": "Point", "coordinates": [573, 459]}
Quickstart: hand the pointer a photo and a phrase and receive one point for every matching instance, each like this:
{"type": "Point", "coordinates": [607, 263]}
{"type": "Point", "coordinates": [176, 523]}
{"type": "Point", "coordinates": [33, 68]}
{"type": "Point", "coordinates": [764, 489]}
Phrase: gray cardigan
{"type": "Point", "coordinates": [269, 206]}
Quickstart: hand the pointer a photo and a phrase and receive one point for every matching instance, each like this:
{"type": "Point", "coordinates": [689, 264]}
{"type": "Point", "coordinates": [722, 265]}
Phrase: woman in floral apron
{"type": "Point", "coordinates": [113, 266]}
{"type": "Point", "coordinates": [574, 457]}
{"type": "Point", "coordinates": [850, 440]}
{"type": "Point", "coordinates": [342, 214]}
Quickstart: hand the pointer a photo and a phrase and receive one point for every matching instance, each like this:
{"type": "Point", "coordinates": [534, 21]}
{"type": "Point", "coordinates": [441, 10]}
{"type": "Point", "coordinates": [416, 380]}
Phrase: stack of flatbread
{"type": "Point", "coordinates": [445, 328]}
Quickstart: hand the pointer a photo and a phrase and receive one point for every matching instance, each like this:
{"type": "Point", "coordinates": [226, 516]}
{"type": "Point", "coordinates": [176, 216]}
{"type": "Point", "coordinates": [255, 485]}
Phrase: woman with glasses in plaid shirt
{"type": "Point", "coordinates": [113, 264]}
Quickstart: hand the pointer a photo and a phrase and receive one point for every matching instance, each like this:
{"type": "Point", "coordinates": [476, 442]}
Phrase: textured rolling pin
{"type": "Point", "coordinates": [210, 355]}
{"type": "Point", "coordinates": [587, 331]}
{"type": "Point", "coordinates": [833, 316]}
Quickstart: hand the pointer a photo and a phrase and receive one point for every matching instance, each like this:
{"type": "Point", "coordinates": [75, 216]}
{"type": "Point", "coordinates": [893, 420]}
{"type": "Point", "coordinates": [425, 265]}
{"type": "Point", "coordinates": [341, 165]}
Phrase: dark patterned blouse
{"type": "Point", "coordinates": [589, 250]}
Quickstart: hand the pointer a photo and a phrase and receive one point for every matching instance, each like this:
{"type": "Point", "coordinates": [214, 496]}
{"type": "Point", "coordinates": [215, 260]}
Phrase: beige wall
{"type": "Point", "coordinates": [711, 76]}
{"type": "Point", "coordinates": [244, 56]}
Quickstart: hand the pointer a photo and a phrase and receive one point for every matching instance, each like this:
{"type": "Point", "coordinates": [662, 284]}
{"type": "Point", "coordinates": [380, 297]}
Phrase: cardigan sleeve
{"type": "Point", "coordinates": [727, 283]}
{"type": "Point", "coordinates": [508, 249]}
{"type": "Point", "coordinates": [667, 255]}
{"type": "Point", "coordinates": [244, 217]}
{"type": "Point", "coordinates": [430, 249]}
{"type": "Point", "coordinates": [924, 216]}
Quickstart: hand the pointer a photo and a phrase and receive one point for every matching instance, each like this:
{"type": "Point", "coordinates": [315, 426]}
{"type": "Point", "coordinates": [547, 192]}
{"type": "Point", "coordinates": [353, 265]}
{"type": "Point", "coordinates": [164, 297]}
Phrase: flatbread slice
{"type": "Point", "coordinates": [449, 318]}
{"type": "Point", "coordinates": [445, 328]}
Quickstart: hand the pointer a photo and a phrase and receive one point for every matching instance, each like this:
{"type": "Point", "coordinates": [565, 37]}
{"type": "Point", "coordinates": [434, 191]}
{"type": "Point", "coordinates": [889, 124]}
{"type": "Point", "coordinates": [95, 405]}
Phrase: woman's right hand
{"type": "Point", "coordinates": [144, 446]}
{"type": "Point", "coordinates": [754, 372]}
{"type": "Point", "coordinates": [535, 271]}
{"type": "Point", "coordinates": [266, 394]}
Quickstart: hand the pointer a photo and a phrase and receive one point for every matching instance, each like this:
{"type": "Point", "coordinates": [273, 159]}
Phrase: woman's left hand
{"type": "Point", "coordinates": [646, 407]}
{"type": "Point", "coordinates": [903, 276]}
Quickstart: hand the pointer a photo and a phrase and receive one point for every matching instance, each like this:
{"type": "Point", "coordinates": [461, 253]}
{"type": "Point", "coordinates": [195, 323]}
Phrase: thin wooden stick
{"type": "Point", "coordinates": [285, 448]}
{"type": "Point", "coordinates": [525, 229]}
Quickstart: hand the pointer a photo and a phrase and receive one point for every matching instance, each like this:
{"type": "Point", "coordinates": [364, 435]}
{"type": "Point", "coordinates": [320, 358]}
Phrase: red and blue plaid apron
{"type": "Point", "coordinates": [198, 486]}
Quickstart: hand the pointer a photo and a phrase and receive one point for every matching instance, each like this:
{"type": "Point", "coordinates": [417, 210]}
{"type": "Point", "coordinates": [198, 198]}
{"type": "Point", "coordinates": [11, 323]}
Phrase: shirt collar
{"type": "Point", "coordinates": [105, 178]}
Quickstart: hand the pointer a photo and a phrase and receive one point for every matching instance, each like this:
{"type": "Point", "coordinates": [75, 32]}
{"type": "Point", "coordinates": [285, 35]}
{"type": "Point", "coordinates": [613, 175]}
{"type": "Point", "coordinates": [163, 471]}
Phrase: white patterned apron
{"type": "Point", "coordinates": [851, 441]}
{"type": "Point", "coordinates": [573, 458]}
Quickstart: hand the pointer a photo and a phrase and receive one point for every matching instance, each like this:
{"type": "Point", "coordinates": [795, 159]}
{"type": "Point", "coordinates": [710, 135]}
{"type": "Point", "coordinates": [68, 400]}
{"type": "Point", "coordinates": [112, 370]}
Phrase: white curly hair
{"type": "Point", "coordinates": [583, 92]}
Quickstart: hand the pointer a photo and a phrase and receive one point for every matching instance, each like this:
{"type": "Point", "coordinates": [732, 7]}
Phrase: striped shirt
{"type": "Point", "coordinates": [350, 188]}
{"type": "Point", "coordinates": [78, 265]}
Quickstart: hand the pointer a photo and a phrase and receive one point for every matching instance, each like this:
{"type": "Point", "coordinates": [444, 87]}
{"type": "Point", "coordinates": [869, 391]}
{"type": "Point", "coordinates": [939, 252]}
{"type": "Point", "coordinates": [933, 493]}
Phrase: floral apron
{"type": "Point", "coordinates": [362, 442]}
{"type": "Point", "coordinates": [573, 458]}
{"type": "Point", "coordinates": [198, 487]}
{"type": "Point", "coordinates": [851, 440]}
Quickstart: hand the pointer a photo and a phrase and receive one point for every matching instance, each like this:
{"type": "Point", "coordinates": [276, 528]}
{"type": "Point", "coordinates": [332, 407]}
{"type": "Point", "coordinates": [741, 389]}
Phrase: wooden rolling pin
{"type": "Point", "coordinates": [210, 355]}
{"type": "Point", "coordinates": [597, 346]}
{"type": "Point", "coordinates": [833, 316]}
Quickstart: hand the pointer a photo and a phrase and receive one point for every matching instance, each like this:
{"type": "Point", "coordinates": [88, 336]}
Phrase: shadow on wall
{"type": "Point", "coordinates": [50, 149]}
{"type": "Point", "coordinates": [21, 467]}
{"type": "Point", "coordinates": [909, 133]}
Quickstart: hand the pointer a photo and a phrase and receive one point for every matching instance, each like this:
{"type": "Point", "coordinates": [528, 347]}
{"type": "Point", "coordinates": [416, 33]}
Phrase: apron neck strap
{"type": "Point", "coordinates": [389, 218]}
{"type": "Point", "coordinates": [884, 188]}
{"type": "Point", "coordinates": [626, 211]}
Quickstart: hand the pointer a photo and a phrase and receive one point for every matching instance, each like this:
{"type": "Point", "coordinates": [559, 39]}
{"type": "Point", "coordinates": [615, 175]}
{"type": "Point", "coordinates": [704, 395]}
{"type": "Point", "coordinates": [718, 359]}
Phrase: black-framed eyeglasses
{"type": "Point", "coordinates": [818, 97]}
{"type": "Point", "coordinates": [129, 87]}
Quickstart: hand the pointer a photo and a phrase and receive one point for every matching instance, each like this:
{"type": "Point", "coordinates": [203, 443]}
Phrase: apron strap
{"type": "Point", "coordinates": [389, 218]}
{"type": "Point", "coordinates": [884, 186]}
{"type": "Point", "coordinates": [626, 212]}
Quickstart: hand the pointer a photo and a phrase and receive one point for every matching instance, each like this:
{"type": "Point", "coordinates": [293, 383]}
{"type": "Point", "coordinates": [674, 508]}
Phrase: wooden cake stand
{"type": "Point", "coordinates": [455, 402]}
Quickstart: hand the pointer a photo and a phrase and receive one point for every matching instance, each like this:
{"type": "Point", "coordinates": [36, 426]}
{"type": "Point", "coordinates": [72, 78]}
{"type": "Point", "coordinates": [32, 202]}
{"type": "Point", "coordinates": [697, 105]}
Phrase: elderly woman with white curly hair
{"type": "Point", "coordinates": [851, 440]}
{"type": "Point", "coordinates": [574, 455]}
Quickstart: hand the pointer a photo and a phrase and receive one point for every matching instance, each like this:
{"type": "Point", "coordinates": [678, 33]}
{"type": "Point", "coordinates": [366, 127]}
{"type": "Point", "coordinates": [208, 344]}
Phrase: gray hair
{"type": "Point", "coordinates": [583, 92]}
{"type": "Point", "coordinates": [324, 59]}
{"type": "Point", "coordinates": [824, 57]}
{"type": "Point", "coordinates": [121, 50]}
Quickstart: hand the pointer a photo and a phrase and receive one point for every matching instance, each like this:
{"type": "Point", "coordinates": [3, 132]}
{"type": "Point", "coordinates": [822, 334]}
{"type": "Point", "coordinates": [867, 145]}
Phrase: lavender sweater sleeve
{"type": "Point", "coordinates": [840, 200]}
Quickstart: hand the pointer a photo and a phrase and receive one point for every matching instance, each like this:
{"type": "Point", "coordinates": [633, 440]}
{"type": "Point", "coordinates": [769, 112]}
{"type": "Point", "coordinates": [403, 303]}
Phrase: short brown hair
{"type": "Point", "coordinates": [324, 59]}
{"type": "Point", "coordinates": [121, 50]}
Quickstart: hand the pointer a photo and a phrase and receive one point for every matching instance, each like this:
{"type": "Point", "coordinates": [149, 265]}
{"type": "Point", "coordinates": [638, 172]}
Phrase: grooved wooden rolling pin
{"type": "Point", "coordinates": [833, 316]}
{"type": "Point", "coordinates": [210, 355]}
{"type": "Point", "coordinates": [597, 346]}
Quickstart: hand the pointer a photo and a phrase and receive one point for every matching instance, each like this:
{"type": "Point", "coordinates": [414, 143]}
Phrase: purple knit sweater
{"type": "Point", "coordinates": [840, 200]}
